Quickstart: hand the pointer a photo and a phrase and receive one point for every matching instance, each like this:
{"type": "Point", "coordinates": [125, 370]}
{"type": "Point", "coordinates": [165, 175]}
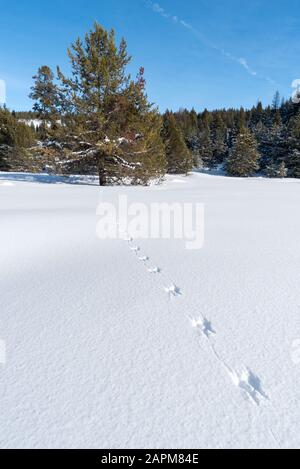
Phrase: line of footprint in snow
{"type": "Point", "coordinates": [246, 380]}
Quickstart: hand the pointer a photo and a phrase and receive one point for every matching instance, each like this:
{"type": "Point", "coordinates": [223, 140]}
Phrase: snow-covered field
{"type": "Point", "coordinates": [99, 355]}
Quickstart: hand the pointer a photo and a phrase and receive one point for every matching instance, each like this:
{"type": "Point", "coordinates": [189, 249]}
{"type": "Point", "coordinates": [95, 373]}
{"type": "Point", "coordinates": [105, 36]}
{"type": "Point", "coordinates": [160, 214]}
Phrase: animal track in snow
{"type": "Point", "coordinates": [135, 249]}
{"type": "Point", "coordinates": [246, 381]}
{"type": "Point", "coordinates": [144, 259]}
{"type": "Point", "coordinates": [249, 383]}
{"type": "Point", "coordinates": [204, 326]}
{"type": "Point", "coordinates": [173, 290]}
{"type": "Point", "coordinates": [154, 270]}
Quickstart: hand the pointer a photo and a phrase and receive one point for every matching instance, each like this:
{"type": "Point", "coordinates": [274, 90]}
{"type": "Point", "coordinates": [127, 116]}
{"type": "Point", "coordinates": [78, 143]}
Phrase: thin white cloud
{"type": "Point", "coordinates": [246, 66]}
{"type": "Point", "coordinates": [158, 9]}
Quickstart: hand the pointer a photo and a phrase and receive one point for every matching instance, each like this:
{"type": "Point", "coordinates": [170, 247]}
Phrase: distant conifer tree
{"type": "Point", "coordinates": [243, 157]}
{"type": "Point", "coordinates": [294, 164]}
{"type": "Point", "coordinates": [45, 94]}
{"type": "Point", "coordinates": [206, 150]}
{"type": "Point", "coordinates": [179, 158]}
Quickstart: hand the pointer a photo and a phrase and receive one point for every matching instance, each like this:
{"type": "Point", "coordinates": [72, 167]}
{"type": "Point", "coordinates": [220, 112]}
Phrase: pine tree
{"type": "Point", "coordinates": [282, 170]}
{"type": "Point", "coordinates": [294, 164]}
{"type": "Point", "coordinates": [15, 138]}
{"type": "Point", "coordinates": [6, 138]}
{"type": "Point", "coordinates": [294, 127]}
{"type": "Point", "coordinates": [205, 121]}
{"type": "Point", "coordinates": [219, 134]}
{"type": "Point", "coordinates": [105, 114]}
{"type": "Point", "coordinates": [293, 146]}
{"type": "Point", "coordinates": [45, 93]}
{"type": "Point", "coordinates": [276, 170]}
{"type": "Point", "coordinates": [206, 149]}
{"type": "Point", "coordinates": [14, 133]}
{"type": "Point", "coordinates": [277, 119]}
{"type": "Point", "coordinates": [240, 120]}
{"type": "Point", "coordinates": [276, 101]}
{"type": "Point", "coordinates": [256, 115]}
{"type": "Point", "coordinates": [179, 158]}
{"type": "Point", "coordinates": [188, 122]}
{"type": "Point", "coordinates": [243, 157]}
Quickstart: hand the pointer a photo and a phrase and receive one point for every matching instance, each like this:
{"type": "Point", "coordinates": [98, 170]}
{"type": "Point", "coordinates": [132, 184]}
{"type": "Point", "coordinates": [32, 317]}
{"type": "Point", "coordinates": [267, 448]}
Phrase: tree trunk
{"type": "Point", "coordinates": [102, 179]}
{"type": "Point", "coordinates": [101, 170]}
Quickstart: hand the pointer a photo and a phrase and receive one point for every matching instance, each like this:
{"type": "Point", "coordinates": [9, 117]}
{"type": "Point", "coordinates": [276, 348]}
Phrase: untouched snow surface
{"type": "Point", "coordinates": [133, 344]}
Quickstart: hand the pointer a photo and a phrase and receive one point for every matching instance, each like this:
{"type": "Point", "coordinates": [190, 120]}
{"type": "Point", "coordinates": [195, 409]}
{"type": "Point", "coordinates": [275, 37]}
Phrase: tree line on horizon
{"type": "Point", "coordinates": [98, 119]}
{"type": "Point", "coordinates": [244, 142]}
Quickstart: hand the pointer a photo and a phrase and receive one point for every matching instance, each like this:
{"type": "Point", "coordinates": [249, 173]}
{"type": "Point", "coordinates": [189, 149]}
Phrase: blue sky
{"type": "Point", "coordinates": [196, 53]}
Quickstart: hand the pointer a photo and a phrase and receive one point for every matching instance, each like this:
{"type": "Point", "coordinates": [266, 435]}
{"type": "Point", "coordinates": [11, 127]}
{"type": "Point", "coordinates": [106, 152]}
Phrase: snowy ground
{"type": "Point", "coordinates": [98, 355]}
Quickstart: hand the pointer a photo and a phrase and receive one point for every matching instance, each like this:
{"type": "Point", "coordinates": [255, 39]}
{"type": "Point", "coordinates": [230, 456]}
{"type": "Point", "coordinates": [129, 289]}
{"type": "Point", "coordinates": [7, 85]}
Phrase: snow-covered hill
{"type": "Point", "coordinates": [143, 343]}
